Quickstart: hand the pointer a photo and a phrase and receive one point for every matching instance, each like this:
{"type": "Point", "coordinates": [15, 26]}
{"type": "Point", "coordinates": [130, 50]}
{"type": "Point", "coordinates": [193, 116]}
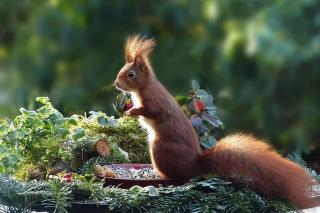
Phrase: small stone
{"type": "Point", "coordinates": [132, 173]}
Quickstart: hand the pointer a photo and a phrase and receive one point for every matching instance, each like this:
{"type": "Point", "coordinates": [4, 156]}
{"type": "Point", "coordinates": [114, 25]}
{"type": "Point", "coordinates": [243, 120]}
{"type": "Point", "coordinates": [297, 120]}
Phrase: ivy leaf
{"type": "Point", "coordinates": [96, 115]}
{"type": "Point", "coordinates": [56, 119]}
{"type": "Point", "coordinates": [207, 141]}
{"type": "Point", "coordinates": [102, 121]}
{"type": "Point", "coordinates": [27, 112]}
{"type": "Point", "coordinates": [35, 124]}
{"type": "Point", "coordinates": [21, 133]}
{"type": "Point", "coordinates": [62, 132]}
{"type": "Point", "coordinates": [42, 100]}
{"type": "Point", "coordinates": [43, 110]}
{"type": "Point", "coordinates": [93, 113]}
{"type": "Point", "coordinates": [78, 134]}
{"type": "Point", "coordinates": [195, 85]}
{"type": "Point", "coordinates": [111, 121]}
{"type": "Point", "coordinates": [73, 120]}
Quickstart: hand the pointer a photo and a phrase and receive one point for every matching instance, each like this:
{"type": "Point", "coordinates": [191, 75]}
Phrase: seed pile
{"type": "Point", "coordinates": [132, 173]}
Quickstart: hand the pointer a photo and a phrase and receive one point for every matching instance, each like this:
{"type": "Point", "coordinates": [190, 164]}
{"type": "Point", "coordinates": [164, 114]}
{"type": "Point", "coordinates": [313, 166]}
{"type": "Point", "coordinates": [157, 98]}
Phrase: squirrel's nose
{"type": "Point", "coordinates": [116, 84]}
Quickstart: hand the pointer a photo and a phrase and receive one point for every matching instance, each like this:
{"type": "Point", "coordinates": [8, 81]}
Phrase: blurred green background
{"type": "Point", "coordinates": [259, 58]}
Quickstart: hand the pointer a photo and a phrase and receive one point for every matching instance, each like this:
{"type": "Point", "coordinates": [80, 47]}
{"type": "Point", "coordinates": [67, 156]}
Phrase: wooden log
{"type": "Point", "coordinates": [87, 149]}
{"type": "Point", "coordinates": [102, 147]}
{"type": "Point", "coordinates": [104, 171]}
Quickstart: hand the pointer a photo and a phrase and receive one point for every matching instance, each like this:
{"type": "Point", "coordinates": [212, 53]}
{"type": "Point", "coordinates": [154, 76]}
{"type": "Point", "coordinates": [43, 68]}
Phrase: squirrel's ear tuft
{"type": "Point", "coordinates": [138, 46]}
{"type": "Point", "coordinates": [141, 64]}
{"type": "Point", "coordinates": [129, 59]}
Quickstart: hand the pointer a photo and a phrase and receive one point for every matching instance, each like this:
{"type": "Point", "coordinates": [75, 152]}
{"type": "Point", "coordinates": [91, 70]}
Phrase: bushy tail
{"type": "Point", "coordinates": [244, 158]}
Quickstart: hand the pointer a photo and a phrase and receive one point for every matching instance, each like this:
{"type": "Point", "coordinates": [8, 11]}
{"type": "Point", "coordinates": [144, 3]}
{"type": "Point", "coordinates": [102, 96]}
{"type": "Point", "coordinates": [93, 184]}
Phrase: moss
{"type": "Point", "coordinates": [42, 141]}
{"type": "Point", "coordinates": [127, 133]}
{"type": "Point", "coordinates": [29, 171]}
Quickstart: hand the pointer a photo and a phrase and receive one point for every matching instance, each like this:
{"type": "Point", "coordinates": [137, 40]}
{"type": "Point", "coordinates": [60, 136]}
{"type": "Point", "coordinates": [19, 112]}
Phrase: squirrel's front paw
{"type": "Point", "coordinates": [133, 112]}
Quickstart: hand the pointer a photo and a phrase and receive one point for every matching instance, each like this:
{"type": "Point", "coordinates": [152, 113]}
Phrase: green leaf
{"type": "Point", "coordinates": [135, 189]}
{"type": "Point", "coordinates": [42, 100]}
{"type": "Point", "coordinates": [61, 132]}
{"type": "Point", "coordinates": [56, 118]}
{"type": "Point", "coordinates": [195, 85]}
{"type": "Point", "coordinates": [78, 134]}
{"type": "Point", "coordinates": [212, 119]}
{"type": "Point", "coordinates": [153, 192]}
{"type": "Point", "coordinates": [197, 123]}
{"type": "Point", "coordinates": [207, 100]}
{"type": "Point", "coordinates": [43, 110]}
{"type": "Point", "coordinates": [208, 141]}
{"type": "Point", "coordinates": [120, 101]}
{"type": "Point", "coordinates": [111, 121]}
{"type": "Point", "coordinates": [116, 110]}
{"type": "Point", "coordinates": [102, 121]}
{"type": "Point", "coordinates": [183, 99]}
{"type": "Point", "coordinates": [212, 108]}
{"type": "Point", "coordinates": [202, 95]}
{"type": "Point", "coordinates": [21, 133]}
{"type": "Point", "coordinates": [73, 120]}
{"type": "Point", "coordinates": [97, 114]}
{"type": "Point", "coordinates": [26, 112]}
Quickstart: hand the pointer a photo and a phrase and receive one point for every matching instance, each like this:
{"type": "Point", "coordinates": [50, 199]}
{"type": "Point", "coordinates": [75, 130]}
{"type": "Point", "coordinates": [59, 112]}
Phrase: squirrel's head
{"type": "Point", "coordinates": [137, 71]}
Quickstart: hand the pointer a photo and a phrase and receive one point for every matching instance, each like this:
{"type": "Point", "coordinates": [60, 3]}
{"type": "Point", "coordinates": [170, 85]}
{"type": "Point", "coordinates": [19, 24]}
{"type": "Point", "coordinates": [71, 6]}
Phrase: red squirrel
{"type": "Point", "coordinates": [174, 145]}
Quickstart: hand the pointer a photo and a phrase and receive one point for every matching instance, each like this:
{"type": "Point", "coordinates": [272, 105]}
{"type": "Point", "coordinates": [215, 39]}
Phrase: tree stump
{"type": "Point", "coordinates": [102, 147]}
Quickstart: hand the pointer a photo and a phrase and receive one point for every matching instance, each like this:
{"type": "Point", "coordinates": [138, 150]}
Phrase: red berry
{"type": "Point", "coordinates": [129, 105]}
{"type": "Point", "coordinates": [199, 105]}
{"type": "Point", "coordinates": [67, 177]}
{"type": "Point", "coordinates": [206, 151]}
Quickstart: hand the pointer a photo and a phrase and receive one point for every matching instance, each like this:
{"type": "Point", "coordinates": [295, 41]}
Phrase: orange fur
{"type": "Point", "coordinates": [247, 159]}
{"type": "Point", "coordinates": [138, 46]}
{"type": "Point", "coordinates": [174, 145]}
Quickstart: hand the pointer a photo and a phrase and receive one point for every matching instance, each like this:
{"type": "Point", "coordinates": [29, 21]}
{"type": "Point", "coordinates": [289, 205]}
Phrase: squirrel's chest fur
{"type": "Point", "coordinates": [170, 138]}
{"type": "Point", "coordinates": [146, 123]}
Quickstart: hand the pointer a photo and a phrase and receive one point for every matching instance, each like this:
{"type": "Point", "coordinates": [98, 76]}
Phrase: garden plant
{"type": "Point", "coordinates": [52, 162]}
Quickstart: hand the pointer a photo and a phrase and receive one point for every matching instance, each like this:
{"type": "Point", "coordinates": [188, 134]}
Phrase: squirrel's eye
{"type": "Point", "coordinates": [131, 74]}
